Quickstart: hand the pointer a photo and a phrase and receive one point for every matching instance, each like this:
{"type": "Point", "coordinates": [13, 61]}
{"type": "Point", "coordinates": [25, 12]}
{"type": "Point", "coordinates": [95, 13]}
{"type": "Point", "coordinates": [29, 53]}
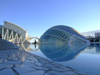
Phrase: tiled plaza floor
{"type": "Point", "coordinates": [20, 62]}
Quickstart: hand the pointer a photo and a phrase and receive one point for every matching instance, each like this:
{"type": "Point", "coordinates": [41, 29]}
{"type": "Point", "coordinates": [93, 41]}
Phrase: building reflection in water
{"type": "Point", "coordinates": [92, 49]}
{"type": "Point", "coordinates": [60, 53]}
{"type": "Point", "coordinates": [12, 56]}
{"type": "Point", "coordinates": [16, 55]}
{"type": "Point", "coordinates": [29, 47]}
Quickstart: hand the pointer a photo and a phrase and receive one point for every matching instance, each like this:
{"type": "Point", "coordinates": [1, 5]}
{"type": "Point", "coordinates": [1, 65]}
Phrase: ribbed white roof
{"type": "Point", "coordinates": [15, 28]}
{"type": "Point", "coordinates": [68, 29]}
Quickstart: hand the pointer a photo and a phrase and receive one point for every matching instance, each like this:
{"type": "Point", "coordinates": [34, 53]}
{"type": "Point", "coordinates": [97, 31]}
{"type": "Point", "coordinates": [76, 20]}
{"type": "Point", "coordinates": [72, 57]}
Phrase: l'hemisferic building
{"type": "Point", "coordinates": [14, 33]}
{"type": "Point", "coordinates": [62, 43]}
{"type": "Point", "coordinates": [63, 34]}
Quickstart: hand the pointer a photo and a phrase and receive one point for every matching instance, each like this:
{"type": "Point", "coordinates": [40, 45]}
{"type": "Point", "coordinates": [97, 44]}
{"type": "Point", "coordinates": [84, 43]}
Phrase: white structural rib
{"type": "Point", "coordinates": [14, 33]}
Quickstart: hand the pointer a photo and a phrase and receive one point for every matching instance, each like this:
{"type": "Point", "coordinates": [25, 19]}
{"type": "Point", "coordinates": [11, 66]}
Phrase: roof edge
{"type": "Point", "coordinates": [14, 24]}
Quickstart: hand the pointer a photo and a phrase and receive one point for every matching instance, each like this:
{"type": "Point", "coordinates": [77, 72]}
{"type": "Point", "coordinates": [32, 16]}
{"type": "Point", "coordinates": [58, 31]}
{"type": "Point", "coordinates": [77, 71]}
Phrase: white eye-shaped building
{"type": "Point", "coordinates": [64, 35]}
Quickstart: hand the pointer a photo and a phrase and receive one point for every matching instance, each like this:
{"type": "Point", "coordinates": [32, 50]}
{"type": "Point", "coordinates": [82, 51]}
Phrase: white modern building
{"type": "Point", "coordinates": [14, 33]}
{"type": "Point", "coordinates": [62, 43]}
{"type": "Point", "coordinates": [61, 34]}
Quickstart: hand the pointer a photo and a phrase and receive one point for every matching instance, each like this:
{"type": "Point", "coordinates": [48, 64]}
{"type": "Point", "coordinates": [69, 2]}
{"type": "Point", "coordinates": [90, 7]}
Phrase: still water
{"type": "Point", "coordinates": [85, 60]}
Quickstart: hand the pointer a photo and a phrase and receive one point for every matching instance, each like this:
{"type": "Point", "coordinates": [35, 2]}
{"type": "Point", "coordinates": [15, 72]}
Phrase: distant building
{"type": "Point", "coordinates": [97, 35]}
{"type": "Point", "coordinates": [14, 33]}
{"type": "Point", "coordinates": [91, 34]}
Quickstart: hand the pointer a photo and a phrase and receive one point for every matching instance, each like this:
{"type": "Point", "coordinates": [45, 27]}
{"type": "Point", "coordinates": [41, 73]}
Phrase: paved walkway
{"type": "Point", "coordinates": [20, 62]}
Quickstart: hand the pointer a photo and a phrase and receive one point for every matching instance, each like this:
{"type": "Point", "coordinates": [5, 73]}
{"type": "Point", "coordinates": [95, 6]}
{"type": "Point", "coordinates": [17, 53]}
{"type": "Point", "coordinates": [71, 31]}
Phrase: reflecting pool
{"type": "Point", "coordinates": [85, 60]}
{"type": "Point", "coordinates": [50, 59]}
{"type": "Point", "coordinates": [24, 62]}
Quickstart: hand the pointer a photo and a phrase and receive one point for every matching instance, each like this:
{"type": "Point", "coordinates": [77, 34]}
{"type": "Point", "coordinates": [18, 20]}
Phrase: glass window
{"type": "Point", "coordinates": [53, 32]}
{"type": "Point", "coordinates": [58, 33]}
{"type": "Point", "coordinates": [14, 33]}
{"type": "Point", "coordinates": [63, 35]}
{"type": "Point", "coordinates": [5, 30]}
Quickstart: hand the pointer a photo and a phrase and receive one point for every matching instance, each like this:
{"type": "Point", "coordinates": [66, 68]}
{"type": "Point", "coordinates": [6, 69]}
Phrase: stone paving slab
{"type": "Point", "coordinates": [24, 70]}
{"type": "Point", "coordinates": [20, 62]}
{"type": "Point", "coordinates": [7, 72]}
{"type": "Point", "coordinates": [34, 73]}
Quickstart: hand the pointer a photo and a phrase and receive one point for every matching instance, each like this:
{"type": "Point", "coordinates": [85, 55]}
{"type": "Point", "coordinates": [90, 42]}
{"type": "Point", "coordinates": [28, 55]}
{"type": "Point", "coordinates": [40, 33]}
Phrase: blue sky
{"type": "Point", "coordinates": [39, 15]}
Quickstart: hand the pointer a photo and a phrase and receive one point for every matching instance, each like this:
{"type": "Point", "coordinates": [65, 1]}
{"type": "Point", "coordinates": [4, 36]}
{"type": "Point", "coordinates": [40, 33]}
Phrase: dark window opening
{"type": "Point", "coordinates": [97, 44]}
{"type": "Point", "coordinates": [96, 40]}
{"type": "Point", "coordinates": [0, 36]}
{"type": "Point", "coordinates": [91, 40]}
